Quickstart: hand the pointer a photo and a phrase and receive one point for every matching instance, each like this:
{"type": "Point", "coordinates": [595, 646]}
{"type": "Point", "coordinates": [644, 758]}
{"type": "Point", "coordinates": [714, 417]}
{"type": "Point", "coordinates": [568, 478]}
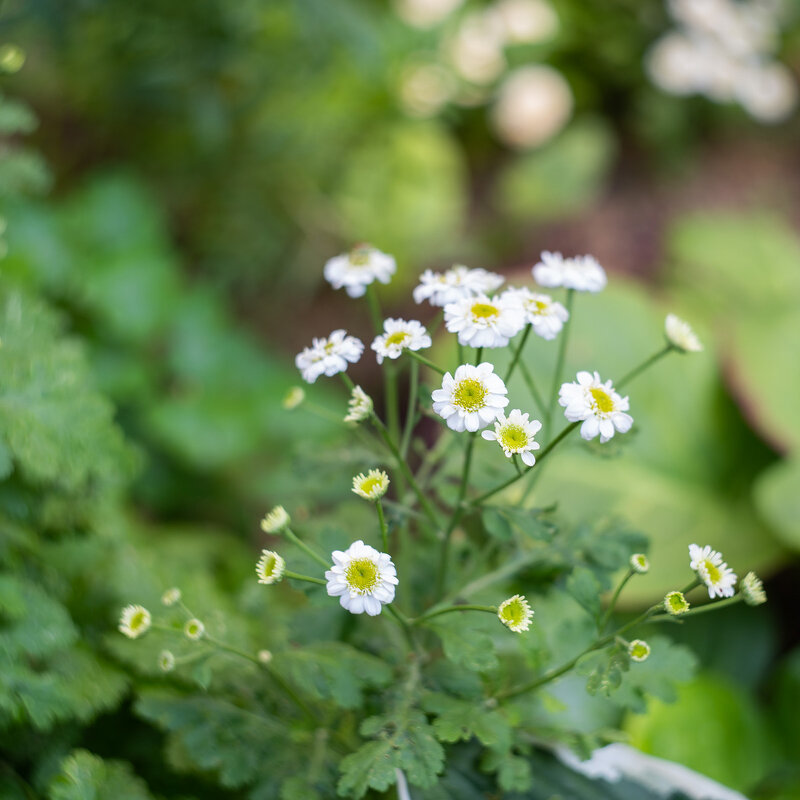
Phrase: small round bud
{"type": "Point", "coordinates": [270, 567]}
{"type": "Point", "coordinates": [171, 596]}
{"type": "Point", "coordinates": [515, 613]}
{"type": "Point", "coordinates": [639, 650]}
{"type": "Point", "coordinates": [134, 621]}
{"type": "Point", "coordinates": [752, 590]}
{"type": "Point", "coordinates": [639, 563]}
{"type": "Point", "coordinates": [359, 407]}
{"type": "Point", "coordinates": [676, 604]}
{"type": "Point", "coordinates": [276, 520]}
{"type": "Point", "coordinates": [371, 486]}
{"type": "Point", "coordinates": [680, 335]}
{"type": "Point", "coordinates": [264, 656]}
{"type": "Point", "coordinates": [194, 629]}
{"type": "Point", "coordinates": [294, 397]}
{"type": "Point", "coordinates": [166, 661]}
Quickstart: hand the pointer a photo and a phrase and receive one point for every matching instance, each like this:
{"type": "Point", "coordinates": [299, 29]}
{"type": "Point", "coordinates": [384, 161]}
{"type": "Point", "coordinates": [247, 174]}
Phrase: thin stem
{"type": "Point", "coordinates": [460, 352]}
{"type": "Point", "coordinates": [435, 323]}
{"type": "Point", "coordinates": [562, 352]}
{"type": "Point", "coordinates": [458, 510]}
{"type": "Point", "coordinates": [374, 309]}
{"type": "Point", "coordinates": [528, 378]}
{"type": "Point", "coordinates": [644, 365]}
{"type": "Point", "coordinates": [517, 353]}
{"type": "Point", "coordinates": [437, 612]}
{"type": "Point", "coordinates": [478, 355]}
{"type": "Point", "coordinates": [693, 612]}
{"type": "Point", "coordinates": [392, 401]}
{"type": "Point", "coordinates": [320, 411]}
{"type": "Point", "coordinates": [512, 567]}
{"type": "Point", "coordinates": [307, 578]}
{"type": "Point", "coordinates": [422, 360]}
{"type": "Point", "coordinates": [384, 529]}
{"type": "Point", "coordinates": [516, 465]}
{"type": "Point", "coordinates": [411, 411]}
{"type": "Point", "coordinates": [610, 610]}
{"type": "Point", "coordinates": [486, 495]}
{"type": "Point", "coordinates": [292, 537]}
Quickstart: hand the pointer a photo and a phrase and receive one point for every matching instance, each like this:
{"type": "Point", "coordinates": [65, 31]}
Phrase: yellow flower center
{"type": "Point", "coordinates": [484, 311]}
{"type": "Point", "coordinates": [268, 566]}
{"type": "Point", "coordinates": [362, 574]}
{"type": "Point", "coordinates": [359, 256]}
{"type": "Point", "coordinates": [537, 306]}
{"type": "Point", "coordinates": [514, 613]}
{"type": "Point", "coordinates": [469, 395]}
{"type": "Point", "coordinates": [138, 620]}
{"type": "Point", "coordinates": [398, 337]}
{"type": "Point", "coordinates": [602, 400]}
{"type": "Point", "coordinates": [714, 575]}
{"type": "Point", "coordinates": [639, 650]}
{"type": "Point", "coordinates": [513, 437]}
{"type": "Point", "coordinates": [369, 485]}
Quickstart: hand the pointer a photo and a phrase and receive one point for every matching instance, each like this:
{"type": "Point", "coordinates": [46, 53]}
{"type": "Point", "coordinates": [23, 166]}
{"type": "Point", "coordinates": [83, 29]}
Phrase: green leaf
{"type": "Point", "coordinates": [333, 671]}
{"type": "Point", "coordinates": [405, 741]}
{"type": "Point", "coordinates": [604, 669]}
{"type": "Point", "coordinates": [585, 588]}
{"type": "Point", "coordinates": [778, 500]}
{"type": "Point", "coordinates": [458, 720]}
{"type": "Point", "coordinates": [496, 524]}
{"type": "Point", "coordinates": [465, 644]}
{"type": "Point", "coordinates": [513, 772]}
{"type": "Point", "coordinates": [84, 776]}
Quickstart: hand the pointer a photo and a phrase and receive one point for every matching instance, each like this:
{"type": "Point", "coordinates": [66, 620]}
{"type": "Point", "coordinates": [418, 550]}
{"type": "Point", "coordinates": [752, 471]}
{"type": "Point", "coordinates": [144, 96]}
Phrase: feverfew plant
{"type": "Point", "coordinates": [412, 644]}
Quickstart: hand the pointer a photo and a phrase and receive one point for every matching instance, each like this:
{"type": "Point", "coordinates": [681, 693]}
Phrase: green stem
{"type": "Point", "coordinates": [458, 510]}
{"type": "Point", "coordinates": [411, 411]}
{"type": "Point", "coordinates": [422, 360]}
{"type": "Point", "coordinates": [517, 353]}
{"type": "Point", "coordinates": [644, 365]}
{"type": "Point", "coordinates": [693, 612]}
{"type": "Point", "coordinates": [437, 612]}
{"type": "Point", "coordinates": [384, 529]}
{"type": "Point", "coordinates": [292, 537]}
{"type": "Point", "coordinates": [374, 309]}
{"type": "Point", "coordinates": [460, 351]}
{"type": "Point", "coordinates": [307, 578]}
{"type": "Point", "coordinates": [610, 610]}
{"type": "Point", "coordinates": [562, 352]}
{"type": "Point", "coordinates": [528, 378]}
{"type": "Point", "coordinates": [478, 355]}
{"type": "Point", "coordinates": [435, 323]}
{"type": "Point", "coordinates": [508, 570]}
{"type": "Point", "coordinates": [547, 450]}
{"type": "Point", "coordinates": [392, 401]}
{"type": "Point", "coordinates": [320, 411]}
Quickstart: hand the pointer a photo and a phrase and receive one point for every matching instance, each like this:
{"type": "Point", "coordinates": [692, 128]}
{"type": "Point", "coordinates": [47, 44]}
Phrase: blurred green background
{"type": "Point", "coordinates": [173, 176]}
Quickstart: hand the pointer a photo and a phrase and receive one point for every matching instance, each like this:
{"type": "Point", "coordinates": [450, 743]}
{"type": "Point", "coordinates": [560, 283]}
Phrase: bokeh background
{"type": "Point", "coordinates": [173, 175]}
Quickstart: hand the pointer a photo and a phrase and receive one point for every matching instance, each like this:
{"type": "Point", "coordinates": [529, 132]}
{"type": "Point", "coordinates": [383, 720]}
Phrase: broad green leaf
{"type": "Point", "coordinates": [584, 587]}
{"type": "Point", "coordinates": [777, 497]}
{"type": "Point", "coordinates": [513, 772]}
{"type": "Point", "coordinates": [465, 644]}
{"type": "Point", "coordinates": [84, 776]}
{"type": "Point", "coordinates": [604, 670]}
{"type": "Point", "coordinates": [458, 720]}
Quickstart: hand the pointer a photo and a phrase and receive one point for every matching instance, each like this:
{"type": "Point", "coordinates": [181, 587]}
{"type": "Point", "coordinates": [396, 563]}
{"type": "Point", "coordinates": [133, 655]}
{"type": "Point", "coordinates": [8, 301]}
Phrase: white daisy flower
{"type": "Point", "coordinates": [276, 520]}
{"type": "Point", "coordinates": [516, 613]}
{"type": "Point", "coordinates": [166, 661]}
{"type": "Point", "coordinates": [371, 486]}
{"type": "Point", "coordinates": [270, 567]}
{"type": "Point", "coordinates": [752, 590]}
{"type": "Point", "coordinates": [514, 433]}
{"type": "Point", "coordinates": [639, 650]}
{"type": "Point", "coordinates": [362, 578]}
{"type": "Point", "coordinates": [545, 314]}
{"type": "Point", "coordinates": [675, 604]}
{"type": "Point", "coordinates": [194, 629]}
{"type": "Point", "coordinates": [582, 273]}
{"type": "Point", "coordinates": [134, 621]}
{"type": "Point", "coordinates": [328, 356]}
{"type": "Point", "coordinates": [356, 270]}
{"type": "Point", "coordinates": [680, 335]}
{"type": "Point", "coordinates": [171, 596]}
{"type": "Point", "coordinates": [441, 288]}
{"type": "Point", "coordinates": [294, 397]}
{"type": "Point", "coordinates": [471, 399]}
{"type": "Point", "coordinates": [481, 321]}
{"type": "Point", "coordinates": [359, 406]}
{"type": "Point", "coordinates": [399, 335]}
{"type": "Point", "coordinates": [639, 563]}
{"type": "Point", "coordinates": [712, 570]}
{"type": "Point", "coordinates": [597, 404]}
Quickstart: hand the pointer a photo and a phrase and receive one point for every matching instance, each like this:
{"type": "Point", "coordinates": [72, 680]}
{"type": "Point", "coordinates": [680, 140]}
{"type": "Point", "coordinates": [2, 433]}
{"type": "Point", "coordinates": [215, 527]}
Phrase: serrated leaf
{"type": "Point", "coordinates": [513, 772]}
{"type": "Point", "coordinates": [586, 590]}
{"type": "Point", "coordinates": [85, 776]}
{"type": "Point", "coordinates": [470, 648]}
{"type": "Point", "coordinates": [458, 720]}
{"type": "Point", "coordinates": [604, 669]}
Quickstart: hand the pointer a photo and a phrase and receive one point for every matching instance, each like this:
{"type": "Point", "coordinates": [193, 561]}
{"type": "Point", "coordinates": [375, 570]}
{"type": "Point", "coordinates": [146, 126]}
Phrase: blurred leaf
{"type": "Point", "coordinates": [583, 586]}
{"type": "Point", "coordinates": [777, 497]}
{"type": "Point", "coordinates": [458, 720]}
{"type": "Point", "coordinates": [465, 644]}
{"type": "Point", "coordinates": [85, 776]}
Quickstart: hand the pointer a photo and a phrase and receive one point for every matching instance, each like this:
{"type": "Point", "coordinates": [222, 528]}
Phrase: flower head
{"type": "Point", "coordinates": [294, 397]}
{"type": "Point", "coordinates": [582, 273]}
{"type": "Point", "coordinates": [166, 661]}
{"type": "Point", "coordinates": [542, 312]}
{"type": "Point", "coordinates": [639, 563]}
{"type": "Point", "coordinates": [470, 399]}
{"type": "Point", "coordinates": [752, 590]}
{"type": "Point", "coordinates": [362, 578]}
{"type": "Point", "coordinates": [680, 335]}
{"type": "Point", "coordinates": [194, 629]}
{"type": "Point", "coordinates": [399, 335]}
{"type": "Point", "coordinates": [516, 613]}
{"type": "Point", "coordinates": [638, 650]}
{"type": "Point", "coordinates": [481, 321]}
{"type": "Point", "coordinates": [171, 596]}
{"type": "Point", "coordinates": [134, 621]}
{"type": "Point", "coordinates": [371, 486]}
{"type": "Point", "coordinates": [597, 404]}
{"type": "Point", "coordinates": [718, 577]}
{"type": "Point", "coordinates": [276, 520]}
{"type": "Point", "coordinates": [514, 433]}
{"type": "Point", "coordinates": [359, 406]}
{"type": "Point", "coordinates": [264, 656]}
{"type": "Point", "coordinates": [676, 604]}
{"type": "Point", "coordinates": [356, 270]}
{"type": "Point", "coordinates": [270, 567]}
{"type": "Point", "coordinates": [329, 356]}
{"type": "Point", "coordinates": [441, 288]}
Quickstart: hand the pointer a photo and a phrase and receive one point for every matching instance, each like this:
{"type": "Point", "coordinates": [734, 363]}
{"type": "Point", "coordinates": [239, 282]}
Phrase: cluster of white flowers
{"type": "Point", "coordinates": [399, 335]}
{"type": "Point", "coordinates": [482, 321]}
{"type": "Point", "coordinates": [457, 283]}
{"type": "Point", "coordinates": [581, 273]}
{"type": "Point", "coordinates": [329, 356]}
{"type": "Point", "coordinates": [724, 50]}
